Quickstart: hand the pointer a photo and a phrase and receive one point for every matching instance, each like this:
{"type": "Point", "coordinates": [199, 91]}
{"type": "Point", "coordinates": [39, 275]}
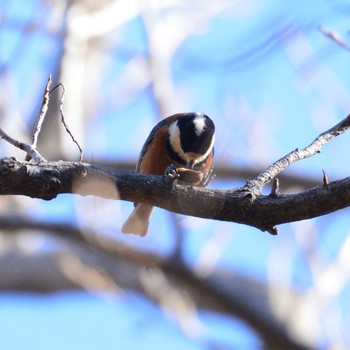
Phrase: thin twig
{"type": "Point", "coordinates": [256, 185]}
{"type": "Point", "coordinates": [275, 189]}
{"type": "Point", "coordinates": [63, 119]}
{"type": "Point", "coordinates": [43, 111]}
{"type": "Point", "coordinates": [335, 36]}
{"type": "Point", "coordinates": [325, 178]}
{"type": "Point", "coordinates": [39, 122]}
{"type": "Point", "coordinates": [32, 153]}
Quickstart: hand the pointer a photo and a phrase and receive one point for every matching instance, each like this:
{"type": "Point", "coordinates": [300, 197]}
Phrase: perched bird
{"type": "Point", "coordinates": [181, 141]}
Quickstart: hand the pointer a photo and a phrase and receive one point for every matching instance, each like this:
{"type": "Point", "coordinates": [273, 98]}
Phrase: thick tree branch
{"type": "Point", "coordinates": [229, 172]}
{"type": "Point", "coordinates": [47, 180]}
{"type": "Point", "coordinates": [246, 205]}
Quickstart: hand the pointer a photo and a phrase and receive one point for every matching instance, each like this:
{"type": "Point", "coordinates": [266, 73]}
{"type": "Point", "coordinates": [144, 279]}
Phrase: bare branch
{"type": "Point", "coordinates": [63, 119]}
{"type": "Point", "coordinates": [256, 185]}
{"type": "Point", "coordinates": [47, 180]}
{"type": "Point", "coordinates": [335, 36]}
{"type": "Point", "coordinates": [227, 172]}
{"type": "Point", "coordinates": [325, 178]}
{"type": "Point", "coordinates": [32, 153]}
{"type": "Point", "coordinates": [39, 122]}
{"type": "Point", "coordinates": [43, 110]}
{"type": "Point", "coordinates": [275, 189]}
{"type": "Point", "coordinates": [245, 205]}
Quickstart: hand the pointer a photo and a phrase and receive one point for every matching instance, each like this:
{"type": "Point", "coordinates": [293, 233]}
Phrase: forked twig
{"type": "Point", "coordinates": [31, 150]}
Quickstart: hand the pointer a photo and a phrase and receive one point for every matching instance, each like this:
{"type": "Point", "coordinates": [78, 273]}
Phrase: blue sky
{"type": "Point", "coordinates": [75, 321]}
{"type": "Point", "coordinates": [269, 79]}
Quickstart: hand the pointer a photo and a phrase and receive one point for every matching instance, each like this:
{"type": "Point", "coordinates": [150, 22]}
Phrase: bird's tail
{"type": "Point", "coordinates": [138, 220]}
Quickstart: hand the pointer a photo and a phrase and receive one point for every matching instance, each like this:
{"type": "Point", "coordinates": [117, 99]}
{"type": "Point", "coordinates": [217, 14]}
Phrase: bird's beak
{"type": "Point", "coordinates": [191, 160]}
{"type": "Point", "coordinates": [190, 164]}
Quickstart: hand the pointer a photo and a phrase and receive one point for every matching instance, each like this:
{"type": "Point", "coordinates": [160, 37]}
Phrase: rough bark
{"type": "Point", "coordinates": [48, 179]}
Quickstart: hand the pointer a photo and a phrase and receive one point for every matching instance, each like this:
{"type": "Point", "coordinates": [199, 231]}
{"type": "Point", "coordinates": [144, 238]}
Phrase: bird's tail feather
{"type": "Point", "coordinates": [138, 220]}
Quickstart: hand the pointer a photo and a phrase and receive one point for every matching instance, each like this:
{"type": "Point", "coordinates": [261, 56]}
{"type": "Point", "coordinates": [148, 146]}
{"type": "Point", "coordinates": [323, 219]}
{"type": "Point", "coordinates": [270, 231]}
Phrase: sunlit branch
{"type": "Point", "coordinates": [43, 111]}
{"type": "Point", "coordinates": [29, 149]}
{"type": "Point", "coordinates": [228, 172]}
{"type": "Point", "coordinates": [256, 185]}
{"type": "Point", "coordinates": [244, 205]}
{"type": "Point", "coordinates": [47, 180]}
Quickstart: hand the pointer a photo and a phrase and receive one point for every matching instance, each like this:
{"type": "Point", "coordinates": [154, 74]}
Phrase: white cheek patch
{"type": "Point", "coordinates": [174, 139]}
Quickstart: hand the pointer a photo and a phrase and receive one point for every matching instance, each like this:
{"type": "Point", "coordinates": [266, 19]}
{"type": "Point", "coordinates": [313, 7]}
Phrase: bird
{"type": "Point", "coordinates": [182, 141]}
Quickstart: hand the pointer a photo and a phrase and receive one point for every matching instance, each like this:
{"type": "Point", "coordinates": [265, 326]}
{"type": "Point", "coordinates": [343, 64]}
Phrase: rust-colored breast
{"type": "Point", "coordinates": [156, 160]}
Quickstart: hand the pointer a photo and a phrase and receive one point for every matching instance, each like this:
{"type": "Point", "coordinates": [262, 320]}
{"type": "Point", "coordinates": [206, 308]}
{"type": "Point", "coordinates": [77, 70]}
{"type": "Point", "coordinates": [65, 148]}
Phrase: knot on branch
{"type": "Point", "coordinates": [51, 189]}
{"type": "Point", "coordinates": [252, 189]}
{"type": "Point", "coordinates": [8, 165]}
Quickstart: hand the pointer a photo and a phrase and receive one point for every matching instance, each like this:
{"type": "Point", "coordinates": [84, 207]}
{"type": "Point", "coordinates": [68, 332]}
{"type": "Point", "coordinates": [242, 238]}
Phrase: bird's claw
{"type": "Point", "coordinates": [171, 172]}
